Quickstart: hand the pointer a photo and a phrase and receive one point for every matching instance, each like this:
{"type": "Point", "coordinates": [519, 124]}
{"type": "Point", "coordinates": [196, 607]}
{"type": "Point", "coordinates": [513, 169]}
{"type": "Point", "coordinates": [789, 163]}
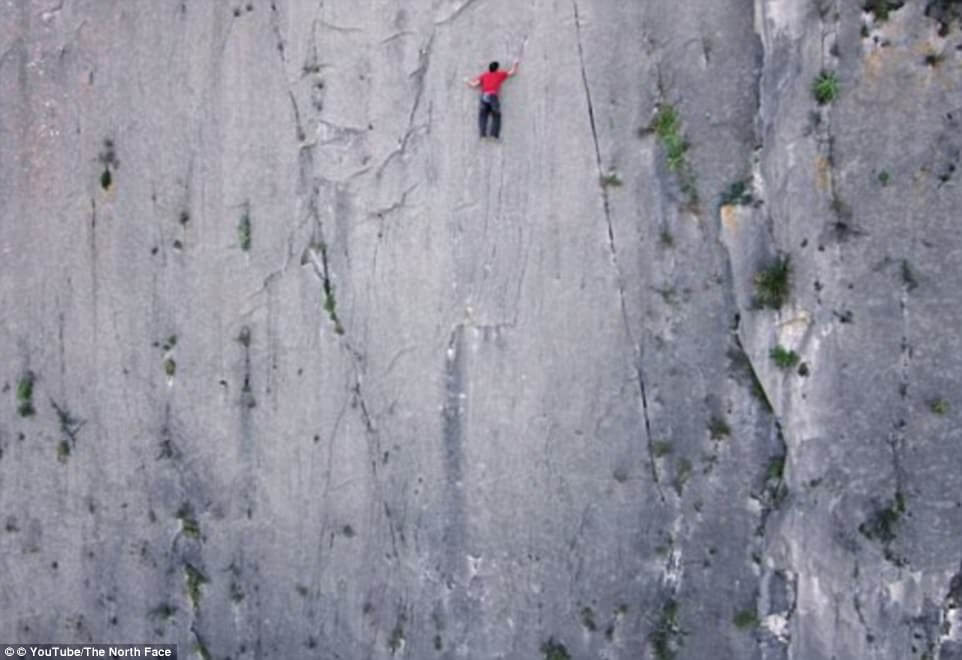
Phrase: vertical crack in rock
{"type": "Point", "coordinates": [594, 134]}
{"type": "Point", "coordinates": [276, 29]}
{"type": "Point", "coordinates": [298, 127]}
{"type": "Point", "coordinates": [636, 344]}
{"type": "Point", "coordinates": [424, 61]}
{"type": "Point", "coordinates": [94, 281]}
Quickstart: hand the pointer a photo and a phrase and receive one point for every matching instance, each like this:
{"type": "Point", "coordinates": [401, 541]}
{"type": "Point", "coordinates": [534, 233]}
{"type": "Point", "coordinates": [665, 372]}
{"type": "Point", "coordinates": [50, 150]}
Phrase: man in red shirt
{"type": "Point", "coordinates": [490, 84]}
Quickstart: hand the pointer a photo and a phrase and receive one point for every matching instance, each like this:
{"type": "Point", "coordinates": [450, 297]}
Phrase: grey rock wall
{"type": "Point", "coordinates": [293, 365]}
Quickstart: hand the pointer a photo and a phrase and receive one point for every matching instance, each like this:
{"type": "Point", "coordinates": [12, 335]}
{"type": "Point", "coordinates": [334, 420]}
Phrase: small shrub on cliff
{"type": "Point", "coordinates": [25, 395]}
{"type": "Point", "coordinates": [825, 87]}
{"type": "Point", "coordinates": [772, 284]}
{"type": "Point", "coordinates": [553, 650]}
{"type": "Point", "coordinates": [783, 358]}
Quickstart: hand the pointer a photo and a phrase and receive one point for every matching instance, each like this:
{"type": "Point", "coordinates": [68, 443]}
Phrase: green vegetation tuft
{"type": "Point", "coordinates": [553, 650]}
{"type": "Point", "coordinates": [825, 87]}
{"type": "Point", "coordinates": [662, 448]}
{"type": "Point", "coordinates": [667, 126]}
{"type": "Point", "coordinates": [195, 581]}
{"type": "Point", "coordinates": [611, 179]}
{"type": "Point", "coordinates": [883, 523]}
{"type": "Point", "coordinates": [772, 284]}
{"type": "Point", "coordinates": [244, 231]}
{"type": "Point", "coordinates": [884, 178]}
{"type": "Point", "coordinates": [776, 468]}
{"type": "Point", "coordinates": [666, 238]}
{"type": "Point", "coordinates": [396, 640]}
{"type": "Point", "coordinates": [63, 451]}
{"type": "Point", "coordinates": [738, 194]}
{"type": "Point", "coordinates": [25, 395]}
{"type": "Point", "coordinates": [330, 303]}
{"type": "Point", "coordinates": [939, 406]}
{"type": "Point", "coordinates": [783, 358]}
{"type": "Point", "coordinates": [881, 8]}
{"type": "Point", "coordinates": [718, 428]}
{"type": "Point", "coordinates": [201, 649]}
{"type": "Point", "coordinates": [746, 619]}
{"type": "Point", "coordinates": [682, 475]}
{"type": "Point", "coordinates": [188, 523]}
{"type": "Point", "coordinates": [666, 637]}
{"type": "Point", "coordinates": [170, 367]}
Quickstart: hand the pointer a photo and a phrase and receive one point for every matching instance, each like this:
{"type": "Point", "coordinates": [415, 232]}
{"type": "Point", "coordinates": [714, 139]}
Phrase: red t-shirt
{"type": "Point", "coordinates": [491, 81]}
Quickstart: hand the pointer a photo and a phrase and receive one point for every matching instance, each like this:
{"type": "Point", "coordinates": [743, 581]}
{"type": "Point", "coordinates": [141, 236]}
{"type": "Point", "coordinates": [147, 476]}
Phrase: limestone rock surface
{"type": "Point", "coordinates": [294, 365]}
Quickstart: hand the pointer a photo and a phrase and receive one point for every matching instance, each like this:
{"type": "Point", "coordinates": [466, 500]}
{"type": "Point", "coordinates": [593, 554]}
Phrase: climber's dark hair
{"type": "Point", "coordinates": [493, 67]}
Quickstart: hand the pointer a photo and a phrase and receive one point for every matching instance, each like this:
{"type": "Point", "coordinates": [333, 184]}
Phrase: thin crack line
{"type": "Point", "coordinates": [642, 393]}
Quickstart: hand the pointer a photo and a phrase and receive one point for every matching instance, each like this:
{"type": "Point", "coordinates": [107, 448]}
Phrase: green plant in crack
{"type": "Point", "coordinates": [661, 448]}
{"type": "Point", "coordinates": [25, 395]}
{"type": "Point", "coordinates": [610, 180]}
{"type": "Point", "coordinates": [881, 8]}
{"type": "Point", "coordinates": [825, 87]}
{"type": "Point", "coordinates": [396, 640]}
{"type": "Point", "coordinates": [884, 178]}
{"type": "Point", "coordinates": [883, 523]}
{"type": "Point", "coordinates": [718, 428]}
{"type": "Point", "coordinates": [738, 194]}
{"type": "Point", "coordinates": [330, 302]}
{"type": "Point", "coordinates": [201, 649]}
{"type": "Point", "coordinates": [745, 619]}
{"type": "Point", "coordinates": [244, 231]}
{"type": "Point", "coordinates": [195, 580]}
{"type": "Point", "coordinates": [776, 468]}
{"type": "Point", "coordinates": [63, 450]}
{"type": "Point", "coordinates": [939, 406]}
{"type": "Point", "coordinates": [934, 59]}
{"type": "Point", "coordinates": [188, 523]}
{"type": "Point", "coordinates": [553, 650]}
{"type": "Point", "coordinates": [666, 638]}
{"type": "Point", "coordinates": [170, 367]}
{"type": "Point", "coordinates": [783, 358]}
{"type": "Point", "coordinates": [682, 475]}
{"type": "Point", "coordinates": [667, 126]}
{"type": "Point", "coordinates": [772, 284]}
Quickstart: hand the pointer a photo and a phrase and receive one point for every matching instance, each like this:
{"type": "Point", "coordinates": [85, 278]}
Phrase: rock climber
{"type": "Point", "coordinates": [490, 84]}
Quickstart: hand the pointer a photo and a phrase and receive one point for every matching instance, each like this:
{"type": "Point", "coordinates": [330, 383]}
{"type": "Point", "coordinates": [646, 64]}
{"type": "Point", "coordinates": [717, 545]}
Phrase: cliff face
{"type": "Point", "coordinates": [296, 366]}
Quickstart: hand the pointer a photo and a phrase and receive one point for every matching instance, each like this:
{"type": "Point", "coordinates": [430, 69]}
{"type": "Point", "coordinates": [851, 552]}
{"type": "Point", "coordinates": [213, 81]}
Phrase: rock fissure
{"type": "Point", "coordinates": [638, 353]}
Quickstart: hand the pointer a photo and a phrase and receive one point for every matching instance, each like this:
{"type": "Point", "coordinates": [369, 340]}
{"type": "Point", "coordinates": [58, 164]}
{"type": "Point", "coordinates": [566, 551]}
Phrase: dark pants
{"type": "Point", "coordinates": [490, 106]}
